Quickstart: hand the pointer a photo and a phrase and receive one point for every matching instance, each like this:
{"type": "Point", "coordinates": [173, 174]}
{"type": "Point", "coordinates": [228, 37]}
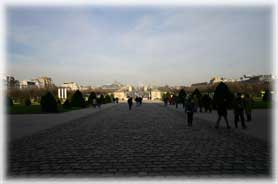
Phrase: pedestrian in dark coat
{"type": "Point", "coordinates": [165, 101]}
{"type": "Point", "coordinates": [129, 101]}
{"type": "Point", "coordinates": [206, 101]}
{"type": "Point", "coordinates": [190, 111]}
{"type": "Point", "coordinates": [140, 100]}
{"type": "Point", "coordinates": [176, 98]}
{"type": "Point", "coordinates": [222, 111]}
{"type": "Point", "coordinates": [248, 106]}
{"type": "Point", "coordinates": [239, 111]}
{"type": "Point", "coordinates": [99, 101]}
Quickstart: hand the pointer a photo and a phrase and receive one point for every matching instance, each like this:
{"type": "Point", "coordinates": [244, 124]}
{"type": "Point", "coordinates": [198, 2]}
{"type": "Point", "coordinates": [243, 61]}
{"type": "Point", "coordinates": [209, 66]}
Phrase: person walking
{"type": "Point", "coordinates": [209, 101]}
{"type": "Point", "coordinates": [189, 110]}
{"type": "Point", "coordinates": [248, 106]}
{"type": "Point", "coordinates": [165, 101]}
{"type": "Point", "coordinates": [206, 101]}
{"type": "Point", "coordinates": [195, 102]}
{"type": "Point", "coordinates": [222, 111]}
{"type": "Point", "coordinates": [94, 102]}
{"type": "Point", "coordinates": [129, 101]}
{"type": "Point", "coordinates": [140, 100]}
{"type": "Point", "coordinates": [221, 99]}
{"type": "Point", "coordinates": [137, 100]}
{"type": "Point", "coordinates": [239, 111]}
{"type": "Point", "coordinates": [99, 102]}
{"type": "Point", "coordinates": [176, 98]}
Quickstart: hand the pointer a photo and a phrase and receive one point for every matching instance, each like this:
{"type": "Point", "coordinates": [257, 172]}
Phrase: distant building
{"type": "Point", "coordinates": [114, 86]}
{"type": "Point", "coordinates": [199, 84]}
{"type": "Point", "coordinates": [131, 91]}
{"type": "Point", "coordinates": [62, 93]}
{"type": "Point", "coordinates": [129, 88]}
{"type": "Point", "coordinates": [120, 95]}
{"type": "Point", "coordinates": [84, 88]}
{"type": "Point", "coordinates": [178, 87]}
{"type": "Point", "coordinates": [216, 80]}
{"type": "Point", "coordinates": [24, 84]}
{"type": "Point", "coordinates": [229, 80]}
{"type": "Point", "coordinates": [266, 78]}
{"type": "Point", "coordinates": [71, 85]}
{"type": "Point", "coordinates": [257, 78]}
{"type": "Point", "coordinates": [10, 82]}
{"type": "Point", "coordinates": [43, 82]}
{"type": "Point", "coordinates": [93, 87]}
{"type": "Point", "coordinates": [220, 79]}
{"type": "Point", "coordinates": [156, 94]}
{"type": "Point", "coordinates": [146, 88]}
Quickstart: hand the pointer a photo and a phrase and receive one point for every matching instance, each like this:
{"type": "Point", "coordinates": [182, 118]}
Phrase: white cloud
{"type": "Point", "coordinates": [167, 46]}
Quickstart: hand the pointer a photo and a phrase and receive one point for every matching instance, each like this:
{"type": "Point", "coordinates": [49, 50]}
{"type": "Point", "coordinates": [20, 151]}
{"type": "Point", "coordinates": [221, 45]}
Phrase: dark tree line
{"type": "Point", "coordinates": [50, 103]}
{"type": "Point", "coordinates": [222, 95]}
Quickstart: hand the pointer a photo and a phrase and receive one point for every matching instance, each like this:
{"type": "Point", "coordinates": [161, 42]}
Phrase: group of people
{"type": "Point", "coordinates": [240, 105]}
{"type": "Point", "coordinates": [138, 101]}
{"type": "Point", "coordinates": [115, 100]}
{"type": "Point", "coordinates": [96, 102]}
{"type": "Point", "coordinates": [205, 102]}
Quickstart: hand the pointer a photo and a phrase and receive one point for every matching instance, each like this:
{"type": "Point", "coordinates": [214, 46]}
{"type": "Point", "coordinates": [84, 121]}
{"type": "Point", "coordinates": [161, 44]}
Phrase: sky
{"type": "Point", "coordinates": [95, 45]}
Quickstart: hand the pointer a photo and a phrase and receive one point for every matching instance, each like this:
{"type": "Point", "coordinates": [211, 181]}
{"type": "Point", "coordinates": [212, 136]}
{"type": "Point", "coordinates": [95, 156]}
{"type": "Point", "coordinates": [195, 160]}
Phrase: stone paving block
{"type": "Point", "coordinates": [146, 141]}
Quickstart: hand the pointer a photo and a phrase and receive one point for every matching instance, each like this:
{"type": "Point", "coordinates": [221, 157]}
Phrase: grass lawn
{"type": "Point", "coordinates": [34, 109]}
{"type": "Point", "coordinates": [22, 109]}
{"type": "Point", "coordinates": [259, 104]}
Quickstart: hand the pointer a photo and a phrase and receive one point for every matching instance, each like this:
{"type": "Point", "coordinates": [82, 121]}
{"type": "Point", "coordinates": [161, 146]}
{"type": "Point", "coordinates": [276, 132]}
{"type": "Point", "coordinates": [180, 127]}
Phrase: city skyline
{"type": "Point", "coordinates": [98, 45]}
{"type": "Point", "coordinates": [48, 80]}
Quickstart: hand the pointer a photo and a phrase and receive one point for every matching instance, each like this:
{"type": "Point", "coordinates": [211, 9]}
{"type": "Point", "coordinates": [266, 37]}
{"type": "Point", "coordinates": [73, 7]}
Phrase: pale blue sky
{"type": "Point", "coordinates": [158, 45]}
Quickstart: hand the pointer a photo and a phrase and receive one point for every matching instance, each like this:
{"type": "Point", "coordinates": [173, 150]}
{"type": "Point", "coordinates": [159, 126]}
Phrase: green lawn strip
{"type": "Point", "coordinates": [22, 109]}
{"type": "Point", "coordinates": [261, 105]}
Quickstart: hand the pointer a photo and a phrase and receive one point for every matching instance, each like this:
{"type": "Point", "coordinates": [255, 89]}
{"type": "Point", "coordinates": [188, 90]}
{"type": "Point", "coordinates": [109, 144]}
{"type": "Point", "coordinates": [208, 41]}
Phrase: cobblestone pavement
{"type": "Point", "coordinates": [21, 125]}
{"type": "Point", "coordinates": [260, 126]}
{"type": "Point", "coordinates": [149, 140]}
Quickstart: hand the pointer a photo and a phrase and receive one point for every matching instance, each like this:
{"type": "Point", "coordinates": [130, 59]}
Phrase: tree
{"type": "Point", "coordinates": [35, 94]}
{"type": "Point", "coordinates": [107, 99]}
{"type": "Point", "coordinates": [77, 99]}
{"type": "Point", "coordinates": [48, 103]}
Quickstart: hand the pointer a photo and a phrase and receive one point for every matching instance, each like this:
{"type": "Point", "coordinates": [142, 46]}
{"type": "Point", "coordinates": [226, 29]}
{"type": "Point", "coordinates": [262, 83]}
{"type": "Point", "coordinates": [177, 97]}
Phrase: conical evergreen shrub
{"type": "Point", "coordinates": [77, 99]}
{"type": "Point", "coordinates": [107, 99]}
{"type": "Point", "coordinates": [66, 104]}
{"type": "Point", "coordinates": [48, 103]}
